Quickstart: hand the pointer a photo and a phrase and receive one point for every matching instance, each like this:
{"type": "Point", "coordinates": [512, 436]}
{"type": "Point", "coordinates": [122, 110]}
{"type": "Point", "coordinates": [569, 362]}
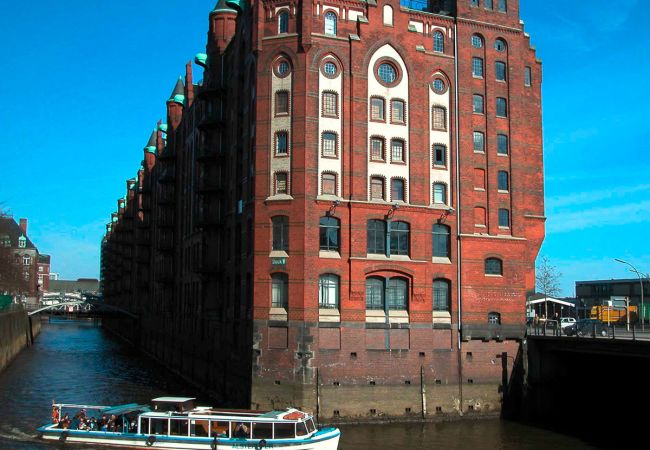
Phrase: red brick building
{"type": "Point", "coordinates": [346, 212]}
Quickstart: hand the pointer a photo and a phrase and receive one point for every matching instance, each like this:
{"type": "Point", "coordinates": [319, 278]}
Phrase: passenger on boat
{"type": "Point", "coordinates": [103, 423]}
{"type": "Point", "coordinates": [93, 424]}
{"type": "Point", "coordinates": [241, 431]}
{"type": "Point", "coordinates": [65, 421]}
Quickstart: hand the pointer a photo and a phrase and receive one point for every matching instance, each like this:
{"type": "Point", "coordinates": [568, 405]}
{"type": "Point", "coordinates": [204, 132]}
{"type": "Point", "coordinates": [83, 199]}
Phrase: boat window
{"type": "Point", "coordinates": [199, 428]}
{"type": "Point", "coordinates": [240, 430]}
{"type": "Point", "coordinates": [178, 427]}
{"type": "Point", "coordinates": [144, 425]}
{"type": "Point", "coordinates": [301, 429]}
{"type": "Point", "coordinates": [263, 430]}
{"type": "Point", "coordinates": [284, 430]}
{"type": "Point", "coordinates": [219, 428]}
{"type": "Point", "coordinates": [310, 425]}
{"type": "Point", "coordinates": [158, 426]}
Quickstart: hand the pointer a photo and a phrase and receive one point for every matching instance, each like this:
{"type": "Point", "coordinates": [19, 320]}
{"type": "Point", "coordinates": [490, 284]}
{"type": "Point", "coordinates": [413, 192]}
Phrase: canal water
{"type": "Point", "coordinates": [78, 362]}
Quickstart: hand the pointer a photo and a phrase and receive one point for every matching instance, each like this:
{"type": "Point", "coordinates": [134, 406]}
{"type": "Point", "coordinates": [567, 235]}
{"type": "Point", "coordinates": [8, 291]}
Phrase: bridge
{"type": "Point", "coordinates": [84, 306]}
{"type": "Point", "coordinates": [593, 386]}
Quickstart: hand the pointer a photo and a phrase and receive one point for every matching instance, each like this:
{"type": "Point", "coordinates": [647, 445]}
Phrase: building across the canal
{"type": "Point", "coordinates": [599, 292]}
{"type": "Point", "coordinates": [347, 207]}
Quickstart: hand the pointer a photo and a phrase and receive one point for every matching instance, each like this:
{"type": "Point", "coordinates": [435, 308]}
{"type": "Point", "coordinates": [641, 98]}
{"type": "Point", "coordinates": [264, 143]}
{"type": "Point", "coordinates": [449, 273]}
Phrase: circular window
{"type": "Point", "coordinates": [500, 45]}
{"type": "Point", "coordinates": [283, 68]}
{"type": "Point", "coordinates": [329, 68]}
{"type": "Point", "coordinates": [477, 41]}
{"type": "Point", "coordinates": [439, 86]}
{"type": "Point", "coordinates": [387, 73]}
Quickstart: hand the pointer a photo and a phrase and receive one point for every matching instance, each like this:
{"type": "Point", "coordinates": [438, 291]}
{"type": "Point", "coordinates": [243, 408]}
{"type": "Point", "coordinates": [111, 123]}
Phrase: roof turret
{"type": "Point", "coordinates": [151, 145]}
{"type": "Point", "coordinates": [178, 94]}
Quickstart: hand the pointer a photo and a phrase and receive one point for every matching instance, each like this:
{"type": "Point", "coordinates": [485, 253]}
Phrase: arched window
{"type": "Point", "coordinates": [330, 231]}
{"type": "Point", "coordinates": [439, 115]}
{"type": "Point", "coordinates": [399, 238]}
{"type": "Point", "coordinates": [281, 143]}
{"type": "Point", "coordinates": [504, 218]}
{"type": "Point", "coordinates": [329, 144]}
{"type": "Point", "coordinates": [328, 186]}
{"type": "Point", "coordinates": [493, 266]}
{"type": "Point", "coordinates": [377, 236]}
{"type": "Point", "coordinates": [376, 188]}
{"type": "Point", "coordinates": [439, 155]}
{"type": "Point", "coordinates": [280, 233]}
{"type": "Point", "coordinates": [494, 318]}
{"type": "Point", "coordinates": [477, 41]}
{"type": "Point", "coordinates": [330, 104]}
{"type": "Point", "coordinates": [282, 102]}
{"type": "Point", "coordinates": [440, 193]}
{"type": "Point", "coordinates": [328, 291]}
{"type": "Point", "coordinates": [438, 42]}
{"type": "Point", "coordinates": [279, 290]}
{"type": "Point", "coordinates": [441, 295]}
{"type": "Point", "coordinates": [397, 150]}
{"type": "Point", "coordinates": [283, 22]}
{"type": "Point", "coordinates": [397, 189]}
{"type": "Point", "coordinates": [500, 71]}
{"type": "Point", "coordinates": [330, 23]}
{"type": "Point", "coordinates": [388, 15]}
{"type": "Point", "coordinates": [281, 184]}
{"type": "Point", "coordinates": [502, 182]}
{"type": "Point", "coordinates": [441, 241]}
{"type": "Point", "coordinates": [397, 294]}
{"type": "Point", "coordinates": [375, 293]}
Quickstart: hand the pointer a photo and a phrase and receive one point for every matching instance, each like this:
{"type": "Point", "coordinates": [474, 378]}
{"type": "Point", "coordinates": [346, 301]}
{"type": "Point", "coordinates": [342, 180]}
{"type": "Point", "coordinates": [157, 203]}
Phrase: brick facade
{"type": "Point", "coordinates": [270, 315]}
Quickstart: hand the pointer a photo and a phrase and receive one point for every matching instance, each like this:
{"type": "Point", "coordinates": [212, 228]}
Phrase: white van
{"type": "Point", "coordinates": [566, 321]}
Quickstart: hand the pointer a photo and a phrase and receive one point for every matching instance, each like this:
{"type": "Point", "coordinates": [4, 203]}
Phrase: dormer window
{"type": "Point", "coordinates": [22, 242]}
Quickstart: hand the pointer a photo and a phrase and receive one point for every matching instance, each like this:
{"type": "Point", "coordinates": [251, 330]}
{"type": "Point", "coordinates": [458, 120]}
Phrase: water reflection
{"type": "Point", "coordinates": [77, 362]}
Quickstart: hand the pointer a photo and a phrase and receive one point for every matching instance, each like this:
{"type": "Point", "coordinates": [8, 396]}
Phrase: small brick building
{"type": "Point", "coordinates": [345, 213]}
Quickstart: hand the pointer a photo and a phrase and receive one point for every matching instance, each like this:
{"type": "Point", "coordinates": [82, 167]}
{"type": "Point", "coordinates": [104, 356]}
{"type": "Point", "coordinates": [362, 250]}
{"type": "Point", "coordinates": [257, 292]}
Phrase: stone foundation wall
{"type": "Point", "coordinates": [17, 331]}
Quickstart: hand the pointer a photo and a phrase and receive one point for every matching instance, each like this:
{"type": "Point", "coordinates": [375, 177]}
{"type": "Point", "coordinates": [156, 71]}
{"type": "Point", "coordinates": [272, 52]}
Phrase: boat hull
{"type": "Point", "coordinates": [326, 439]}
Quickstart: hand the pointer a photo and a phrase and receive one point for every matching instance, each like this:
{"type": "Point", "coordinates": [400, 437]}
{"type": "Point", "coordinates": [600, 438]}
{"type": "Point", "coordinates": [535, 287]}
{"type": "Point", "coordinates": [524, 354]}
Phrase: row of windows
{"type": "Point", "coordinates": [479, 143]}
{"type": "Point", "coordinates": [480, 218]}
{"type": "Point", "coordinates": [397, 149]}
{"type": "Point", "coordinates": [499, 44]}
{"type": "Point", "coordinates": [377, 187]}
{"type": "Point", "coordinates": [383, 237]}
{"type": "Point", "coordinates": [502, 5]}
{"type": "Point", "coordinates": [329, 17]}
{"type": "Point", "coordinates": [478, 105]}
{"type": "Point", "coordinates": [500, 69]}
{"type": "Point", "coordinates": [397, 108]}
{"type": "Point", "coordinates": [383, 294]}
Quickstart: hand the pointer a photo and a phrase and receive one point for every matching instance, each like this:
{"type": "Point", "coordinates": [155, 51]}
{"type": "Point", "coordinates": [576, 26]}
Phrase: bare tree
{"type": "Point", "coordinates": [12, 279]}
{"type": "Point", "coordinates": [548, 280]}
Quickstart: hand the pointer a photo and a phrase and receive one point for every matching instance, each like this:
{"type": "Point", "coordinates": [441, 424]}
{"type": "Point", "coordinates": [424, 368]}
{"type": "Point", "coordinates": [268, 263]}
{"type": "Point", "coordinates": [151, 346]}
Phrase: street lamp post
{"type": "Point", "coordinates": [633, 269]}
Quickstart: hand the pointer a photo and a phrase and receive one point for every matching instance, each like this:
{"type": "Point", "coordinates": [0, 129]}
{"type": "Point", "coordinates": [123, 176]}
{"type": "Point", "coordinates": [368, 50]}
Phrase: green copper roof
{"type": "Point", "coordinates": [222, 6]}
{"type": "Point", "coordinates": [151, 145]}
{"type": "Point", "coordinates": [239, 5]}
{"type": "Point", "coordinates": [163, 127]}
{"type": "Point", "coordinates": [201, 59]}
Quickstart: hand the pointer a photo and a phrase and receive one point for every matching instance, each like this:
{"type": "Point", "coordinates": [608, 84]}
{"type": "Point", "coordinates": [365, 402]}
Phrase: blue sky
{"type": "Point", "coordinates": [83, 83]}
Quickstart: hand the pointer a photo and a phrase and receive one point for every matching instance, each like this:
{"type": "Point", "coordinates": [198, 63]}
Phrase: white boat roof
{"type": "Point", "coordinates": [173, 399]}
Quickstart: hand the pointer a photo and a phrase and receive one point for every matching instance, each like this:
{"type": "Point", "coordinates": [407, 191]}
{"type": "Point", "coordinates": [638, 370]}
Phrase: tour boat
{"type": "Point", "coordinates": [176, 423]}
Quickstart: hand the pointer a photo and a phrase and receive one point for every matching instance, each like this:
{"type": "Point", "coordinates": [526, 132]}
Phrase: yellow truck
{"type": "Point", "coordinates": [614, 314]}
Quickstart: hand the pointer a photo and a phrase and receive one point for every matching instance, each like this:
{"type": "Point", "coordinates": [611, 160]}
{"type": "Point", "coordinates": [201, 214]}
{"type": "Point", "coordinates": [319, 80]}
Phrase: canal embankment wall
{"type": "Point", "coordinates": [17, 331]}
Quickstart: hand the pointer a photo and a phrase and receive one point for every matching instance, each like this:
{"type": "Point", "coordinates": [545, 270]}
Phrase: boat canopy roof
{"type": "Point", "coordinates": [173, 399]}
{"type": "Point", "coordinates": [125, 409]}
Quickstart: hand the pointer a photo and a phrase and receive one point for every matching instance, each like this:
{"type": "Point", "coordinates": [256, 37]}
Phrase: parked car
{"type": "Point", "coordinates": [586, 327]}
{"type": "Point", "coordinates": [566, 321]}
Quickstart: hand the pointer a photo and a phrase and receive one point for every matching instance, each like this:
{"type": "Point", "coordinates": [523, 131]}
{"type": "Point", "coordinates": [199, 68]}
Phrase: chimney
{"type": "Point", "coordinates": [23, 226]}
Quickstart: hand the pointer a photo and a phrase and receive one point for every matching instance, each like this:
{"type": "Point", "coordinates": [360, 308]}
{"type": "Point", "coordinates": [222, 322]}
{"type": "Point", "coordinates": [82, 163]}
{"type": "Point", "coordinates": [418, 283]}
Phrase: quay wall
{"type": "Point", "coordinates": [17, 331]}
